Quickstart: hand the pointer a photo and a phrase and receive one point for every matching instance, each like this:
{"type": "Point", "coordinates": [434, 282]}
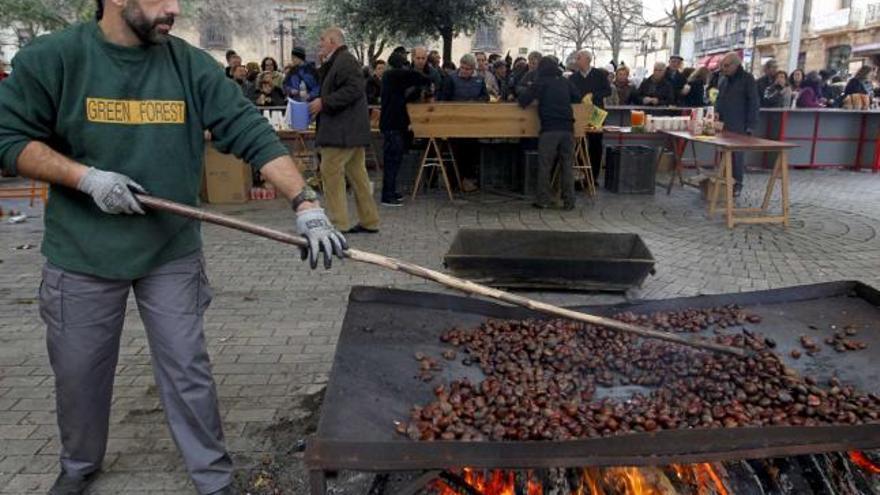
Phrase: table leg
{"type": "Point", "coordinates": [443, 170]}
{"type": "Point", "coordinates": [727, 160]}
{"type": "Point", "coordinates": [317, 482]}
{"type": "Point", "coordinates": [771, 183]}
{"type": "Point", "coordinates": [422, 168]}
{"type": "Point", "coordinates": [678, 146]}
{"type": "Point", "coordinates": [783, 158]}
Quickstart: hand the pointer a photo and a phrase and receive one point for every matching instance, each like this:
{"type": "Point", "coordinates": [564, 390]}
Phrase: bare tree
{"type": "Point", "coordinates": [571, 24]}
{"type": "Point", "coordinates": [682, 12]}
{"type": "Point", "coordinates": [616, 22]}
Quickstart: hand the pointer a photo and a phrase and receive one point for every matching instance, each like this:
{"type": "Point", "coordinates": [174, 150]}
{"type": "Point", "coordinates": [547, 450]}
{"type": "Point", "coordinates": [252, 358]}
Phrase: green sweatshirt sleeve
{"type": "Point", "coordinates": [236, 125]}
{"type": "Point", "coordinates": [27, 106]}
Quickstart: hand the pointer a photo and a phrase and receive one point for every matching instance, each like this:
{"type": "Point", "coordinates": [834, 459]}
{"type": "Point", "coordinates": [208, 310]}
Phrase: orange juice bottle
{"type": "Point", "coordinates": [637, 118]}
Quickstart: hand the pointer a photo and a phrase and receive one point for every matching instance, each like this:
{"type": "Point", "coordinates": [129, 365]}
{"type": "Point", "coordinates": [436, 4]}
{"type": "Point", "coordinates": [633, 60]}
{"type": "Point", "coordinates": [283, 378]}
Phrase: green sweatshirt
{"type": "Point", "coordinates": [139, 111]}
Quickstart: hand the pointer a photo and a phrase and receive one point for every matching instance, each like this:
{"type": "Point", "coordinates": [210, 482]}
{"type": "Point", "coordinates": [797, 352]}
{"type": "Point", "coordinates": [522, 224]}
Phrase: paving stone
{"type": "Point", "coordinates": [273, 325]}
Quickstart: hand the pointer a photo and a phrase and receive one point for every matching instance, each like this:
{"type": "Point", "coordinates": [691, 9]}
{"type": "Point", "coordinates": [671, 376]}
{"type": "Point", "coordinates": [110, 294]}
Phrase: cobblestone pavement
{"type": "Point", "coordinates": [273, 324]}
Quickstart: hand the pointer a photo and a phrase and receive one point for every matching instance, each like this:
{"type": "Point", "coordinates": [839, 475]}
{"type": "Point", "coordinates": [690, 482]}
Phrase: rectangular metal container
{"type": "Point", "coordinates": [542, 259]}
{"type": "Point", "coordinates": [373, 383]}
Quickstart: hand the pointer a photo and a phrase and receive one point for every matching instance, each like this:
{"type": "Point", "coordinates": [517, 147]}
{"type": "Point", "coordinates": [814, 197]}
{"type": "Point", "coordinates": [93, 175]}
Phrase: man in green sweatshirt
{"type": "Point", "coordinates": [98, 110]}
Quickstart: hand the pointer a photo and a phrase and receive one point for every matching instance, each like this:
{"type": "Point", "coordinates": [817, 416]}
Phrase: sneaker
{"type": "Point", "coordinates": [72, 485]}
{"type": "Point", "coordinates": [360, 229]}
{"type": "Point", "coordinates": [392, 202]}
{"type": "Point", "coordinates": [398, 196]}
{"type": "Point", "coordinates": [541, 206]}
{"type": "Point", "coordinates": [568, 206]}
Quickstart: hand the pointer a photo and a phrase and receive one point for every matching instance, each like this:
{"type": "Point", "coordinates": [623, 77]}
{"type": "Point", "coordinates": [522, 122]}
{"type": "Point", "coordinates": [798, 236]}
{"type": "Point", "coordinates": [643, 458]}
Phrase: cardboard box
{"type": "Point", "coordinates": [228, 179]}
{"type": "Point", "coordinates": [666, 163]}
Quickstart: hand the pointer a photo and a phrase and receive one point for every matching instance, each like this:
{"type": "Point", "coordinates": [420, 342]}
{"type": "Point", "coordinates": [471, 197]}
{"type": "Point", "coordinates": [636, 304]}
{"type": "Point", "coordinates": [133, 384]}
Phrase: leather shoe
{"type": "Point", "coordinates": [72, 485]}
{"type": "Point", "coordinates": [360, 229]}
{"type": "Point", "coordinates": [227, 490]}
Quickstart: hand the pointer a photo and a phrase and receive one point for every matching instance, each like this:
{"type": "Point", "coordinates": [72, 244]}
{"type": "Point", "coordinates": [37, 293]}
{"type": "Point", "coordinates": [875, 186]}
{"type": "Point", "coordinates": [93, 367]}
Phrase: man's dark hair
{"type": "Point", "coordinates": [229, 53]}
{"type": "Point", "coordinates": [397, 61]}
{"type": "Point", "coordinates": [99, 9]}
{"type": "Point", "coordinates": [549, 67]}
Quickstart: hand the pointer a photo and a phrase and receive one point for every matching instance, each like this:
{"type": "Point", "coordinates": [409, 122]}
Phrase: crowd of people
{"type": "Point", "coordinates": [417, 75]}
{"type": "Point", "coordinates": [814, 89]}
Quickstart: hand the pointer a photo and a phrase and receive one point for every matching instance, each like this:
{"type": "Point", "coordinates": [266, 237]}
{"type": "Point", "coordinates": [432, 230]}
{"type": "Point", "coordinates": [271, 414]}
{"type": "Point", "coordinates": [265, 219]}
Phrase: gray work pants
{"type": "Point", "coordinates": [84, 316]}
{"type": "Point", "coordinates": [555, 147]}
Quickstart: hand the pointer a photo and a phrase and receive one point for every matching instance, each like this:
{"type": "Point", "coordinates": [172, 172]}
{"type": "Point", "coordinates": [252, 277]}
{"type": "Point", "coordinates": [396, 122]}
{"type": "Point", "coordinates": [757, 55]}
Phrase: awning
{"type": "Point", "coordinates": [866, 49]}
{"type": "Point", "coordinates": [714, 61]}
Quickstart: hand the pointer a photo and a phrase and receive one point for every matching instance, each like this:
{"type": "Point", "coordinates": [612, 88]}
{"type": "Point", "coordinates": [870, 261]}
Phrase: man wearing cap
{"type": "Point", "coordinates": [100, 110]}
{"type": "Point", "coordinates": [675, 77]}
{"type": "Point", "coordinates": [301, 79]}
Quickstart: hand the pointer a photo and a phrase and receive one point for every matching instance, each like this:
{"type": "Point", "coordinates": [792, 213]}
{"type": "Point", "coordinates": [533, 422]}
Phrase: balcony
{"type": "Point", "coordinates": [836, 20]}
{"type": "Point", "coordinates": [872, 13]}
{"type": "Point", "coordinates": [732, 41]}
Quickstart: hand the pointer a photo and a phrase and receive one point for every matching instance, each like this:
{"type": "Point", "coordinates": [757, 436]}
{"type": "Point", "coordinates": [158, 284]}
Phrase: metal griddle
{"type": "Point", "coordinates": [372, 384]}
{"type": "Point", "coordinates": [544, 259]}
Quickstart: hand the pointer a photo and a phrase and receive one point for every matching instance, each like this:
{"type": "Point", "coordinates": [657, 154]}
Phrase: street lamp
{"type": "Point", "coordinates": [281, 31]}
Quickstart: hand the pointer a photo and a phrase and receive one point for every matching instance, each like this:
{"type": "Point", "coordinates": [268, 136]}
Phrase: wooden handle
{"type": "Point", "coordinates": [456, 283]}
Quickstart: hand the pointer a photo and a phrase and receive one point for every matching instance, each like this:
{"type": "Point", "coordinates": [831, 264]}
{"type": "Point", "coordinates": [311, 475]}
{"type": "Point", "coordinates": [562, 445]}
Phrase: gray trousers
{"type": "Point", "coordinates": [555, 147]}
{"type": "Point", "coordinates": [84, 316]}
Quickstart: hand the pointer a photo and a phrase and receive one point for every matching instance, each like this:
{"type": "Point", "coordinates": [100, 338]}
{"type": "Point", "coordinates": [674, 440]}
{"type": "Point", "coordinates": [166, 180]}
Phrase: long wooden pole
{"type": "Point", "coordinates": [456, 283]}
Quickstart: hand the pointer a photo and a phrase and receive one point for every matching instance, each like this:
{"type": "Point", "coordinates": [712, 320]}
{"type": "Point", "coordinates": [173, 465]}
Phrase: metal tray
{"type": "Point", "coordinates": [372, 384]}
{"type": "Point", "coordinates": [542, 259]}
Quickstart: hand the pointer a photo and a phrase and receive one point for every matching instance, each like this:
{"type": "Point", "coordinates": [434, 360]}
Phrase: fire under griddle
{"type": "Point", "coordinates": [372, 385]}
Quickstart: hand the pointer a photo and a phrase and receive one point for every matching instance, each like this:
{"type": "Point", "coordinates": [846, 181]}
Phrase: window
{"type": "Point", "coordinates": [486, 39]}
{"type": "Point", "coordinates": [802, 60]}
{"type": "Point", "coordinates": [838, 57]}
{"type": "Point", "coordinates": [214, 35]}
{"type": "Point", "coordinates": [808, 7]}
{"type": "Point", "coordinates": [845, 4]}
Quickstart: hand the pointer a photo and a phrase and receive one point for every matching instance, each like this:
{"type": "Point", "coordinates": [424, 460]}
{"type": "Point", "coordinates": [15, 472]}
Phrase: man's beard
{"type": "Point", "coordinates": [145, 29]}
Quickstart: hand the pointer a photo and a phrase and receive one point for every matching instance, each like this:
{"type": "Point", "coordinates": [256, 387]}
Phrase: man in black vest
{"type": "Point", "coordinates": [595, 81]}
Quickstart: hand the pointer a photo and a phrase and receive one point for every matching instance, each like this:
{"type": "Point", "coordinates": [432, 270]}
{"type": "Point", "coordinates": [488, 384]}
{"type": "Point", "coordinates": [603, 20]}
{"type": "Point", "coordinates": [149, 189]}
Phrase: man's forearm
{"type": "Point", "coordinates": [39, 161]}
{"type": "Point", "coordinates": [284, 175]}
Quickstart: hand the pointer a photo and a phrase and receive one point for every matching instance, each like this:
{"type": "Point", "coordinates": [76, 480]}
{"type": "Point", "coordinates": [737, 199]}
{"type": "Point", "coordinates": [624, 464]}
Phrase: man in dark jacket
{"type": "Point", "coordinates": [737, 107]}
{"type": "Point", "coordinates": [301, 81]}
{"type": "Point", "coordinates": [656, 90]}
{"type": "Point", "coordinates": [555, 95]}
{"type": "Point", "coordinates": [676, 78]}
{"type": "Point", "coordinates": [420, 64]}
{"type": "Point", "coordinates": [343, 133]}
{"type": "Point", "coordinates": [394, 121]}
{"type": "Point", "coordinates": [594, 81]}
{"type": "Point", "coordinates": [767, 80]}
{"type": "Point", "coordinates": [465, 85]}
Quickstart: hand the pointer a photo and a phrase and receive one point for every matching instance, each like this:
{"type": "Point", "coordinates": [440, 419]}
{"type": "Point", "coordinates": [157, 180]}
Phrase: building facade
{"type": "Point", "coordinates": [836, 35]}
{"type": "Point", "coordinates": [720, 33]}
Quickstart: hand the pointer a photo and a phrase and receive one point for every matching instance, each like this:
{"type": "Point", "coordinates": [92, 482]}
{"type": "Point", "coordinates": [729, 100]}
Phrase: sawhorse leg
{"type": "Point", "coordinates": [678, 147]}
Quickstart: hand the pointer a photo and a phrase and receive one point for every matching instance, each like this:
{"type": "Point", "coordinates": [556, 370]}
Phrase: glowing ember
{"type": "Point", "coordinates": [861, 460]}
{"type": "Point", "coordinates": [496, 482]}
{"type": "Point", "coordinates": [704, 477]}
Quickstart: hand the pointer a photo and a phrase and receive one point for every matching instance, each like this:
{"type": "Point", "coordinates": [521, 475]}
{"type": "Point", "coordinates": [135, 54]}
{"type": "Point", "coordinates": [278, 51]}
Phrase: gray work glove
{"type": "Point", "coordinates": [111, 192]}
{"type": "Point", "coordinates": [314, 225]}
